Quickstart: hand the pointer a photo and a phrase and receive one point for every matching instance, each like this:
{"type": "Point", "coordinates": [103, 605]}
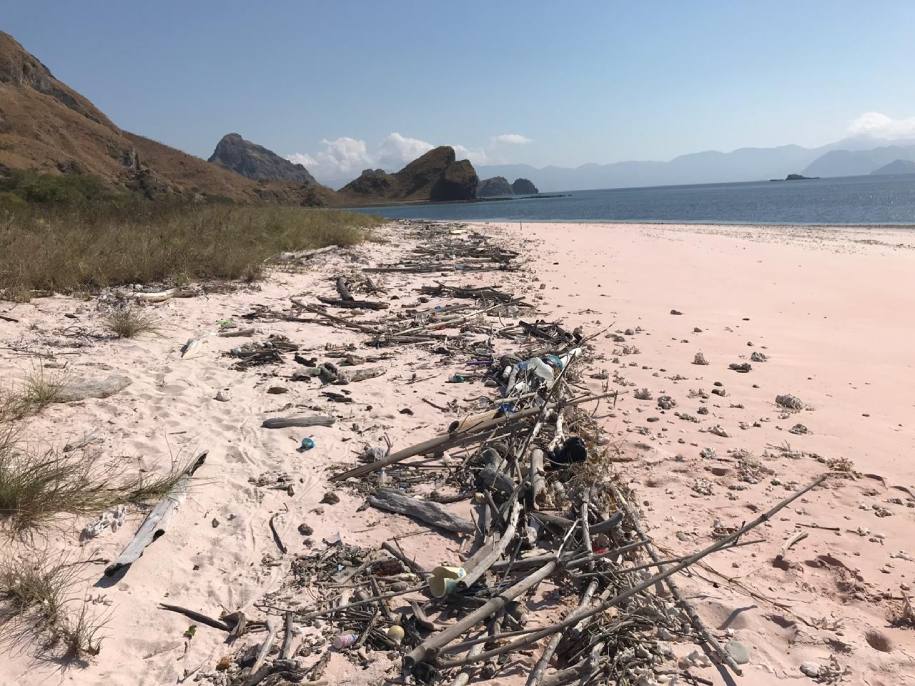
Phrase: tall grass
{"type": "Point", "coordinates": [37, 486]}
{"type": "Point", "coordinates": [35, 607]}
{"type": "Point", "coordinates": [90, 246]}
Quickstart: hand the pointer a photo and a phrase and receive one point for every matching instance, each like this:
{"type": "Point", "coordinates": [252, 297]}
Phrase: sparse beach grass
{"type": "Point", "coordinates": [37, 486]}
{"type": "Point", "coordinates": [91, 246]}
{"type": "Point", "coordinates": [36, 608]}
{"type": "Point", "coordinates": [129, 322]}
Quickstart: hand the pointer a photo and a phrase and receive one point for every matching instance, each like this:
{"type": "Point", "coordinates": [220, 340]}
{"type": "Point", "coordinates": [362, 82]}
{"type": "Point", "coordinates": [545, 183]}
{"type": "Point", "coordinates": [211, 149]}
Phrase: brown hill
{"type": "Point", "coordinates": [47, 126]}
{"type": "Point", "coordinates": [435, 176]}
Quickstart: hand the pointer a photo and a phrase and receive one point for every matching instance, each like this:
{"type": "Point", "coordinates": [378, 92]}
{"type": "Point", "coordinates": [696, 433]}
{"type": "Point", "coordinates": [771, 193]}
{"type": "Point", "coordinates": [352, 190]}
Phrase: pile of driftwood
{"type": "Point", "coordinates": [547, 510]}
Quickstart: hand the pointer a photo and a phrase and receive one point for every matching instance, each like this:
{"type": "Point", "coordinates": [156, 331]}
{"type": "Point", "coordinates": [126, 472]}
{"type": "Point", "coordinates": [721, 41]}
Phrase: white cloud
{"type": "Point", "coordinates": [511, 139]}
{"type": "Point", "coordinates": [475, 156]}
{"type": "Point", "coordinates": [880, 125]}
{"type": "Point", "coordinates": [396, 150]}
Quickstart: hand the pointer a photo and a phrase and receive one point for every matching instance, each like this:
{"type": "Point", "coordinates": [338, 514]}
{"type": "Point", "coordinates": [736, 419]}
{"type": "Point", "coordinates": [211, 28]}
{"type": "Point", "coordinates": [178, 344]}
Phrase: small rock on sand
{"type": "Point", "coordinates": [789, 402]}
{"type": "Point", "coordinates": [81, 389]}
{"type": "Point", "coordinates": [757, 356]}
{"type": "Point", "coordinates": [811, 669]}
{"type": "Point", "coordinates": [330, 498]}
{"type": "Point", "coordinates": [700, 359]}
{"type": "Point", "coordinates": [738, 651]}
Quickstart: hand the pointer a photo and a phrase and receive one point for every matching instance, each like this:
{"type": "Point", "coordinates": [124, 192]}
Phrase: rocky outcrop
{"type": "Point", "coordinates": [436, 176]}
{"type": "Point", "coordinates": [524, 187]}
{"type": "Point", "coordinates": [494, 187]}
{"type": "Point", "coordinates": [257, 162]}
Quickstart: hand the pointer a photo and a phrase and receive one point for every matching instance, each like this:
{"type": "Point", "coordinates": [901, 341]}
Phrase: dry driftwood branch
{"type": "Point", "coordinates": [698, 625]}
{"type": "Point", "coordinates": [287, 649]}
{"type": "Point", "coordinates": [314, 614]}
{"type": "Point", "coordinates": [436, 443]}
{"type": "Point", "coordinates": [493, 605]}
{"type": "Point", "coordinates": [354, 304]}
{"type": "Point", "coordinates": [392, 500]}
{"type": "Point", "coordinates": [534, 635]}
{"type": "Point", "coordinates": [537, 674]}
{"type": "Point", "coordinates": [273, 626]}
{"type": "Point", "coordinates": [197, 616]}
{"type": "Point", "coordinates": [154, 524]}
{"type": "Point", "coordinates": [156, 297]}
{"type": "Point", "coordinates": [276, 534]}
{"type": "Point", "coordinates": [413, 565]}
{"type": "Point", "coordinates": [481, 567]}
{"type": "Point", "coordinates": [286, 422]}
{"type": "Point", "coordinates": [298, 255]}
{"type": "Point", "coordinates": [440, 442]}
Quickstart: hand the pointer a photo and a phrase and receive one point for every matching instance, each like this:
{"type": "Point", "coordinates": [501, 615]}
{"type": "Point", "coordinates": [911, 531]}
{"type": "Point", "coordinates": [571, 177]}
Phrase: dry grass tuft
{"type": "Point", "coordinates": [39, 389]}
{"type": "Point", "coordinates": [36, 487]}
{"type": "Point", "coordinates": [128, 322]}
{"type": "Point", "coordinates": [34, 608]}
{"type": "Point", "coordinates": [90, 247]}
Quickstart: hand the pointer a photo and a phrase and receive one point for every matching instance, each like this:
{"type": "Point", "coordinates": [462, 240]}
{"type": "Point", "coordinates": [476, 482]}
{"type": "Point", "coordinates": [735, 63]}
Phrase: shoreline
{"type": "Point", "coordinates": [826, 320]}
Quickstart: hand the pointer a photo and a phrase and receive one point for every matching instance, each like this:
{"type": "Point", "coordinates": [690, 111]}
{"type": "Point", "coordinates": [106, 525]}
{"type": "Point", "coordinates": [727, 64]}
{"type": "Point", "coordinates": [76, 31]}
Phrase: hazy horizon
{"type": "Point", "coordinates": [349, 86]}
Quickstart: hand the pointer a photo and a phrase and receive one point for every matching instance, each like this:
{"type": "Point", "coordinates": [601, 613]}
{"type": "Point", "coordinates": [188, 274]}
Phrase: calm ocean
{"type": "Point", "coordinates": [848, 200]}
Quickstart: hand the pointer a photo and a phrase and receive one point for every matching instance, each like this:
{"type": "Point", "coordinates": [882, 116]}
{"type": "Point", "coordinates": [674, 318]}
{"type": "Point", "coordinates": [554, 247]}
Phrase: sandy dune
{"type": "Point", "coordinates": [831, 309]}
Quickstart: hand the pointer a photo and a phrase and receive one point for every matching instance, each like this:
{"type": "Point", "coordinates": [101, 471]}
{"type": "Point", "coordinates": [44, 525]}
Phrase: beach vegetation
{"type": "Point", "coordinates": [129, 322]}
{"type": "Point", "coordinates": [37, 607]}
{"type": "Point", "coordinates": [84, 247]}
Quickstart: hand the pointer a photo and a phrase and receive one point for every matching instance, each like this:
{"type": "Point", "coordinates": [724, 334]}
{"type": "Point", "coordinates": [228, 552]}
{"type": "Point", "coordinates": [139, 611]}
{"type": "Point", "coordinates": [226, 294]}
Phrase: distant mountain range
{"type": "Point", "coordinates": [848, 157]}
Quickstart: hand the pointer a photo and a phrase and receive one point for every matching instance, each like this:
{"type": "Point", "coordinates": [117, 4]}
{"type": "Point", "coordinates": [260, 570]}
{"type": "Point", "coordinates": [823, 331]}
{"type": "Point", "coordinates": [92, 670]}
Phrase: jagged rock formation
{"type": "Point", "coordinates": [435, 176]}
{"type": "Point", "coordinates": [256, 162]}
{"type": "Point", "coordinates": [524, 187]}
{"type": "Point", "coordinates": [494, 187]}
{"type": "Point", "coordinates": [48, 127]}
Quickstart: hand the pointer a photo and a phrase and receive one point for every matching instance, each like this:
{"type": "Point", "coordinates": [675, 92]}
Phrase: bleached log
{"type": "Point", "coordinates": [285, 422]}
{"type": "Point", "coordinates": [154, 524]}
{"type": "Point", "coordinates": [156, 297]}
{"type": "Point", "coordinates": [392, 500]}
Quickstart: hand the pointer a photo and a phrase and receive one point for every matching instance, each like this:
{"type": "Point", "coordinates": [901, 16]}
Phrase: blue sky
{"type": "Point", "coordinates": [567, 83]}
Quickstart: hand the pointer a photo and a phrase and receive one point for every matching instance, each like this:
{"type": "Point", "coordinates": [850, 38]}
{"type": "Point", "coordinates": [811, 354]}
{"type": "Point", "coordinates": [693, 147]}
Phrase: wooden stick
{"type": "Point", "coordinates": [537, 674]}
{"type": "Point", "coordinates": [286, 422]}
{"type": "Point", "coordinates": [498, 550]}
{"type": "Point", "coordinates": [536, 634]}
{"type": "Point", "coordinates": [272, 626]}
{"type": "Point", "coordinates": [286, 650]}
{"type": "Point", "coordinates": [436, 443]}
{"type": "Point", "coordinates": [196, 616]}
{"type": "Point", "coordinates": [698, 625]}
{"type": "Point", "coordinates": [493, 605]}
{"type": "Point", "coordinates": [392, 500]}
